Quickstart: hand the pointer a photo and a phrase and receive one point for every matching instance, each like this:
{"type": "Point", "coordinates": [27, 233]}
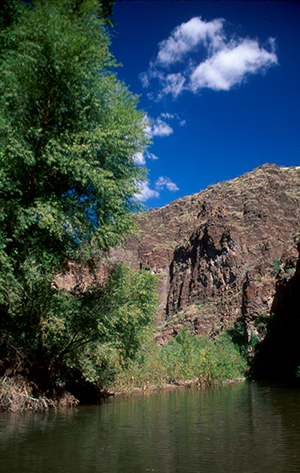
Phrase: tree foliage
{"type": "Point", "coordinates": [8, 13]}
{"type": "Point", "coordinates": [123, 313]}
{"type": "Point", "coordinates": [68, 132]}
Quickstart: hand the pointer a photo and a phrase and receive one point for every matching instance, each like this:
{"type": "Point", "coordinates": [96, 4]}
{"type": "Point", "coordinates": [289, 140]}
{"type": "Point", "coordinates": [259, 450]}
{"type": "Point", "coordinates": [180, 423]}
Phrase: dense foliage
{"type": "Point", "coordinates": [68, 132]}
{"type": "Point", "coordinates": [186, 357]}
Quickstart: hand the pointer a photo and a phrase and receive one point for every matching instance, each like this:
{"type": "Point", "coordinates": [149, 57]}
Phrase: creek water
{"type": "Point", "coordinates": [247, 427]}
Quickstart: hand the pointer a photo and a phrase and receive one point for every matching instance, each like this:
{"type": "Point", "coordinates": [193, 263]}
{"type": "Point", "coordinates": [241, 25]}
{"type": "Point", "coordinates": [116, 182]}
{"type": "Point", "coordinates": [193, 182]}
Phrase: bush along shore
{"type": "Point", "coordinates": [188, 360]}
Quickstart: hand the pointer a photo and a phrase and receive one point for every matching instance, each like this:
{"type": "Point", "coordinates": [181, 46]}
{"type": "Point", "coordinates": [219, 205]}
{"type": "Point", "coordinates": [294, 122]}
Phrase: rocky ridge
{"type": "Point", "coordinates": [219, 253]}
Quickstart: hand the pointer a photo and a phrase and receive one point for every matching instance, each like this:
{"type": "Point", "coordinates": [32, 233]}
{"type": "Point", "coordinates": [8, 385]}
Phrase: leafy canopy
{"type": "Point", "coordinates": [68, 132]}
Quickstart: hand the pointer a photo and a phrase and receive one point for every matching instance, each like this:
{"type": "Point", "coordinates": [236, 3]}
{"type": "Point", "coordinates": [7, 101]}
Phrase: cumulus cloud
{"type": "Point", "coordinates": [145, 193]}
{"type": "Point", "coordinates": [157, 127]}
{"type": "Point", "coordinates": [147, 122]}
{"type": "Point", "coordinates": [161, 128]}
{"type": "Point", "coordinates": [139, 159]}
{"type": "Point", "coordinates": [230, 65]}
{"type": "Point", "coordinates": [203, 56]}
{"type": "Point", "coordinates": [166, 182]}
{"type": "Point", "coordinates": [187, 37]}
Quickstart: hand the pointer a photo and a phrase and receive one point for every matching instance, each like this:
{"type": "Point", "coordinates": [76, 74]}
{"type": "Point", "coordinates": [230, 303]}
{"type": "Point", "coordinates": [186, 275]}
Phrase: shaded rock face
{"type": "Point", "coordinates": [218, 252]}
{"type": "Point", "coordinates": [278, 355]}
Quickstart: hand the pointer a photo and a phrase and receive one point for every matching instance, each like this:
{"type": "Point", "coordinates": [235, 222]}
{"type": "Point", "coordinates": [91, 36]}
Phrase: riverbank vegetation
{"type": "Point", "coordinates": [103, 369]}
{"type": "Point", "coordinates": [69, 131]}
{"type": "Point", "coordinates": [68, 182]}
{"type": "Point", "coordinates": [187, 358]}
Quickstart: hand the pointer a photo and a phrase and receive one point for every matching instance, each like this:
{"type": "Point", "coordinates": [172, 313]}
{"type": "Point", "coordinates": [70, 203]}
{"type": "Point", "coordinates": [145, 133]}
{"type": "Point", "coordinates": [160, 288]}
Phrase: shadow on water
{"type": "Point", "coordinates": [248, 427]}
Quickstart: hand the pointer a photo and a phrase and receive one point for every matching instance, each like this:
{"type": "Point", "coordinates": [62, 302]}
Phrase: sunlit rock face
{"type": "Point", "coordinates": [219, 252]}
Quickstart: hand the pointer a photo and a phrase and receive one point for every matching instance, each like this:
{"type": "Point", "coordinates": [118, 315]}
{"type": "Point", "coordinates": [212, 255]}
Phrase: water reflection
{"type": "Point", "coordinates": [249, 427]}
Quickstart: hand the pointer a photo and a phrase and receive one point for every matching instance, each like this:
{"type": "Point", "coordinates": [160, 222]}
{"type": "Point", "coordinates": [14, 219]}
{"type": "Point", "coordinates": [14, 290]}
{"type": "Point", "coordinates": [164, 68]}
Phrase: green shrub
{"type": "Point", "coordinates": [186, 357]}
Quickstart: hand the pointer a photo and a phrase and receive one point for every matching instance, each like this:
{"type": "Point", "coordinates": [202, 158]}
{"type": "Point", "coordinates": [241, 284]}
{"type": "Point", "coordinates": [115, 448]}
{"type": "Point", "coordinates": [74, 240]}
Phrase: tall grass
{"type": "Point", "coordinates": [186, 357]}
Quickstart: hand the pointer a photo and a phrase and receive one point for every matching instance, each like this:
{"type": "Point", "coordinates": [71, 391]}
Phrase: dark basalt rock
{"type": "Point", "coordinates": [278, 355]}
{"type": "Point", "coordinates": [219, 252]}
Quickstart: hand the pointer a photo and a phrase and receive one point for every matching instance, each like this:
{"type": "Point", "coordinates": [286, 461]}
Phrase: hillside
{"type": "Point", "coordinates": [220, 253]}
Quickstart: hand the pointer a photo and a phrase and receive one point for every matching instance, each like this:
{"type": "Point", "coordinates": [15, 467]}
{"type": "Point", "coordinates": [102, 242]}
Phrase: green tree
{"type": "Point", "coordinates": [68, 132]}
{"type": "Point", "coordinates": [124, 311]}
{"type": "Point", "coordinates": [8, 12]}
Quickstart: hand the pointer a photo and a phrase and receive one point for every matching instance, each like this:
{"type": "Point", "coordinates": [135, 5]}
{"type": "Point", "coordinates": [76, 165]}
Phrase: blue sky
{"type": "Point", "coordinates": [220, 83]}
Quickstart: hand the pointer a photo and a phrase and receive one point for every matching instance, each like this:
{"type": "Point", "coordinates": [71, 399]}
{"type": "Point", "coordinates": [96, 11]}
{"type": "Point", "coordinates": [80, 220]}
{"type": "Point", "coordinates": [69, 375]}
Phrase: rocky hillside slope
{"type": "Point", "coordinates": [219, 253]}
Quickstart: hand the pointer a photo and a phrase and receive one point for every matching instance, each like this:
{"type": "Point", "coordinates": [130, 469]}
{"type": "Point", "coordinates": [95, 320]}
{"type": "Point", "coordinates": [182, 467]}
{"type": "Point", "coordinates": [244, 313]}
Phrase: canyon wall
{"type": "Point", "coordinates": [220, 253]}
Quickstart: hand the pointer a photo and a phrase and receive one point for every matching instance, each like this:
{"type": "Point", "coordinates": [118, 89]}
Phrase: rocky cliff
{"type": "Point", "coordinates": [220, 252]}
{"type": "Point", "coordinates": [277, 356]}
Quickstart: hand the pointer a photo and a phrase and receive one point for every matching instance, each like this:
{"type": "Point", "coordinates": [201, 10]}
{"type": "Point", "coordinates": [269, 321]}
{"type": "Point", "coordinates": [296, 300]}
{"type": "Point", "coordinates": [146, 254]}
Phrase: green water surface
{"type": "Point", "coordinates": [247, 427]}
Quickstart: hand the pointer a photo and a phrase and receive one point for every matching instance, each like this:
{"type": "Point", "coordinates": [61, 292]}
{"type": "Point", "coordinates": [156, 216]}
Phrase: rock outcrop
{"type": "Point", "coordinates": [218, 252]}
{"type": "Point", "coordinates": [277, 356]}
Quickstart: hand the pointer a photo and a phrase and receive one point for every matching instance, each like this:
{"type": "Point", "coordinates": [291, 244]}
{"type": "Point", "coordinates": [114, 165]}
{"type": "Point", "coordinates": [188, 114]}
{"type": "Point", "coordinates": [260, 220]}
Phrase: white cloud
{"type": "Point", "coordinates": [173, 116]}
{"type": "Point", "coordinates": [186, 37]}
{"type": "Point", "coordinates": [205, 57]}
{"type": "Point", "coordinates": [152, 73]}
{"type": "Point", "coordinates": [167, 116]}
{"type": "Point", "coordinates": [145, 193]}
{"type": "Point", "coordinates": [146, 121]}
{"type": "Point", "coordinates": [161, 128]}
{"type": "Point", "coordinates": [144, 78]}
{"type": "Point", "coordinates": [150, 156]}
{"type": "Point", "coordinates": [230, 65]}
{"type": "Point", "coordinates": [173, 84]}
{"type": "Point", "coordinates": [139, 159]}
{"type": "Point", "coordinates": [166, 182]}
{"type": "Point", "coordinates": [158, 127]}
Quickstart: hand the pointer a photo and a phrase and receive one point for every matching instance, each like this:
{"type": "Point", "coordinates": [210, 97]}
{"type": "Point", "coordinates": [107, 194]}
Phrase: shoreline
{"type": "Point", "coordinates": [16, 397]}
{"type": "Point", "coordinates": [201, 384]}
